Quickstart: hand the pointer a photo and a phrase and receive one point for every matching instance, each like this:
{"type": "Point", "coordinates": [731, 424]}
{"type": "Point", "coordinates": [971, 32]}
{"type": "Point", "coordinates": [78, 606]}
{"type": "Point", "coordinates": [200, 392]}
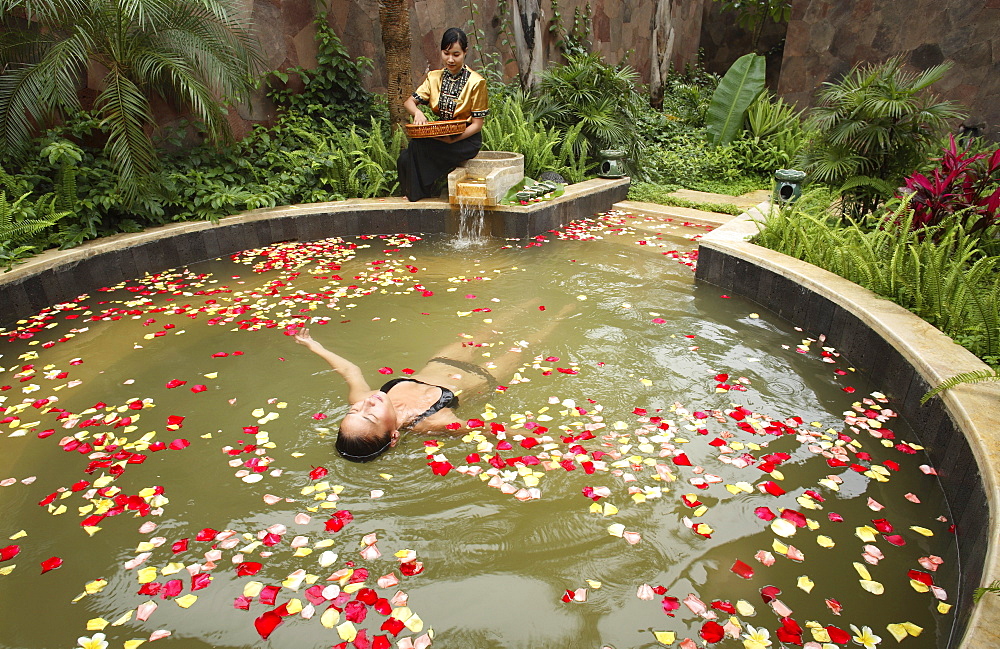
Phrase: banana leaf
{"type": "Point", "coordinates": [740, 86]}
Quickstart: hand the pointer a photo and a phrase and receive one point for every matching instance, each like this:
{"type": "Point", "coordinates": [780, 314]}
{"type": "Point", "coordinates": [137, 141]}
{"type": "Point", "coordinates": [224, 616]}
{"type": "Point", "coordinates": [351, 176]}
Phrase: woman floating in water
{"type": "Point", "coordinates": [455, 92]}
{"type": "Point", "coordinates": [424, 402]}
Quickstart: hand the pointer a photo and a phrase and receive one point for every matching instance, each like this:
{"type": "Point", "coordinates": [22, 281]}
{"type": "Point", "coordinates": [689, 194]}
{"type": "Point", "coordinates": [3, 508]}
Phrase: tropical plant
{"type": "Point", "coordinates": [958, 186]}
{"type": "Point", "coordinates": [753, 14]}
{"type": "Point", "coordinates": [687, 95]}
{"type": "Point", "coordinates": [22, 220]}
{"type": "Point", "coordinates": [738, 89]}
{"type": "Point", "coordinates": [544, 148]}
{"type": "Point", "coordinates": [940, 272]}
{"type": "Point", "coordinates": [773, 135]}
{"type": "Point", "coordinates": [873, 127]}
{"type": "Point", "coordinates": [685, 158]}
{"type": "Point", "coordinates": [990, 374]}
{"type": "Point", "coordinates": [574, 41]}
{"type": "Point", "coordinates": [332, 90]}
{"type": "Point", "coordinates": [978, 593]}
{"type": "Point", "coordinates": [604, 99]}
{"type": "Point", "coordinates": [200, 54]}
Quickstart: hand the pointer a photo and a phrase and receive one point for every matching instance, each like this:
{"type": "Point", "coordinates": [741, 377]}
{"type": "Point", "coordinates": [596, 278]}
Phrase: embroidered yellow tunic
{"type": "Point", "coordinates": [460, 96]}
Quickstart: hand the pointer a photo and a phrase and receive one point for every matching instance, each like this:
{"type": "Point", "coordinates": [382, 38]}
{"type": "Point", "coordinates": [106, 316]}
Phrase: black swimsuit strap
{"type": "Point", "coordinates": [448, 399]}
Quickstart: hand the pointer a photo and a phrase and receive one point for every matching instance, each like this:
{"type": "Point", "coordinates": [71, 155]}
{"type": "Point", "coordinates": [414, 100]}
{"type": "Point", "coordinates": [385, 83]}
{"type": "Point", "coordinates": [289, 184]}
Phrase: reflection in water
{"type": "Point", "coordinates": [180, 449]}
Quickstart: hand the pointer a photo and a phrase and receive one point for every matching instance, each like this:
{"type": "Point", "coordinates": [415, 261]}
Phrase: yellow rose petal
{"type": "Point", "coordinates": [873, 587]}
{"type": "Point", "coordinates": [146, 575]}
{"type": "Point", "coordinates": [330, 617]}
{"type": "Point", "coordinates": [665, 638]}
{"type": "Point", "coordinates": [414, 623]}
{"type": "Point", "coordinates": [96, 624]}
{"type": "Point", "coordinates": [347, 631]}
{"type": "Point", "coordinates": [185, 601]}
{"type": "Point", "coordinates": [898, 631]}
{"type": "Point", "coordinates": [805, 583]}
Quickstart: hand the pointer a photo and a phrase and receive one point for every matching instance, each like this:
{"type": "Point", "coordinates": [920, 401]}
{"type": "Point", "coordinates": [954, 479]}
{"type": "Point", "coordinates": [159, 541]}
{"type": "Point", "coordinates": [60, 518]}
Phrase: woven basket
{"type": "Point", "coordinates": [436, 129]}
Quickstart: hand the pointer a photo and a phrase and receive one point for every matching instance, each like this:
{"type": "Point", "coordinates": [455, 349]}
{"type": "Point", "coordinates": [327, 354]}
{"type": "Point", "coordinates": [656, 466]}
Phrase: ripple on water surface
{"type": "Point", "coordinates": [660, 463]}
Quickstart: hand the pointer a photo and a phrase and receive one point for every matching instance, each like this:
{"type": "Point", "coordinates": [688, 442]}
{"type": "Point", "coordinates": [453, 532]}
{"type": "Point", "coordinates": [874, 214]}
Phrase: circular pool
{"type": "Point", "coordinates": [661, 465]}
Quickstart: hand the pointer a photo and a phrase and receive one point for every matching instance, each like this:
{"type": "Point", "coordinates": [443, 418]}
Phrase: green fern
{"type": "Point", "coordinates": [940, 273]}
{"type": "Point", "coordinates": [979, 592]}
{"type": "Point", "coordinates": [991, 374]}
{"type": "Point", "coordinates": [20, 221]}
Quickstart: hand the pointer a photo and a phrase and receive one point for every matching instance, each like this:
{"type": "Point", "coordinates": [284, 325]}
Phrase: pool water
{"type": "Point", "coordinates": [662, 465]}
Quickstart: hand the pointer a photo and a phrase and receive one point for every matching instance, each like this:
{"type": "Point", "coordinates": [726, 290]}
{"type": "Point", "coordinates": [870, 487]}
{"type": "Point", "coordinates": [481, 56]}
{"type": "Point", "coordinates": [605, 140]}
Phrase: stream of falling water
{"type": "Point", "coordinates": [471, 220]}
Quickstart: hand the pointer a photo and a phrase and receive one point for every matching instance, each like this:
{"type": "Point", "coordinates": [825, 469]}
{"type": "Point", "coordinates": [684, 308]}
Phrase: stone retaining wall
{"type": "Point", "coordinates": [904, 356]}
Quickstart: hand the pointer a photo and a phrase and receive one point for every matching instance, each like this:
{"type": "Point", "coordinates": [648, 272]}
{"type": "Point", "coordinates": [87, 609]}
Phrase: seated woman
{"type": "Point", "coordinates": [456, 92]}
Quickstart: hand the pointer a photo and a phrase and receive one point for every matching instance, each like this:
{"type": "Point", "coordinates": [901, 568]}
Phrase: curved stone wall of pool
{"type": "Point", "coordinates": [60, 275]}
{"type": "Point", "coordinates": [904, 356]}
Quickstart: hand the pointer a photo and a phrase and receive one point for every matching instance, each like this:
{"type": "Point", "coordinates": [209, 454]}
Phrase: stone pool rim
{"type": "Point", "coordinates": [727, 260]}
{"type": "Point", "coordinates": [58, 276]}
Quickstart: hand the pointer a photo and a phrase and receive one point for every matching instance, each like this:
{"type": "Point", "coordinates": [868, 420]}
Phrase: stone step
{"type": "Point", "coordinates": [746, 200]}
{"type": "Point", "coordinates": [682, 214]}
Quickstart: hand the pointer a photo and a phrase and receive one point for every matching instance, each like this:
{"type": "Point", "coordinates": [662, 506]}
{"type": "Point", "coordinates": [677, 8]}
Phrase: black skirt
{"type": "Point", "coordinates": [426, 160]}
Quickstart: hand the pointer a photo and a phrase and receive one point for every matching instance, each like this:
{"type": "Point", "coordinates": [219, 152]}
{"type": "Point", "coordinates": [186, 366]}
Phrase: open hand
{"type": "Point", "coordinates": [302, 337]}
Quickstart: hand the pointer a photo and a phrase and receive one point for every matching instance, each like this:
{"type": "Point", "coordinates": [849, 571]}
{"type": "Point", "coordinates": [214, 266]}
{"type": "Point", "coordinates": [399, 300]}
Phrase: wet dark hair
{"type": "Point", "coordinates": [454, 35]}
{"type": "Point", "coordinates": [361, 448]}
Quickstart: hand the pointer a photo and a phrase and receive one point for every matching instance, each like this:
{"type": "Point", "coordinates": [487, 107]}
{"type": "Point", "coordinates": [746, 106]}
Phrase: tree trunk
{"type": "Point", "coordinates": [661, 50]}
{"type": "Point", "coordinates": [395, 19]}
{"type": "Point", "coordinates": [528, 50]}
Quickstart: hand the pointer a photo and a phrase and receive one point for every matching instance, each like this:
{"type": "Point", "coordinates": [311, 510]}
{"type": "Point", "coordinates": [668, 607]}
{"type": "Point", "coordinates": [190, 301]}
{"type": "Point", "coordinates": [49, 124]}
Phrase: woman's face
{"type": "Point", "coordinates": [453, 57]}
{"type": "Point", "coordinates": [373, 414]}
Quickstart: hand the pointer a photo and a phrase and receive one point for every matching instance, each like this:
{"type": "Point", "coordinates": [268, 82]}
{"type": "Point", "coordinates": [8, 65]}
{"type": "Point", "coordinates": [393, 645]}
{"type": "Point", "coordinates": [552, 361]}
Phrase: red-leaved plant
{"type": "Point", "coordinates": [962, 183]}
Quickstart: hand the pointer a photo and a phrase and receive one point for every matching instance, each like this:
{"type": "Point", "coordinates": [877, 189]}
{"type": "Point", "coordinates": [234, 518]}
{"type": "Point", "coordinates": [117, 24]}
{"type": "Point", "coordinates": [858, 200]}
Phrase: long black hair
{"type": "Point", "coordinates": [454, 35]}
{"type": "Point", "coordinates": [361, 448]}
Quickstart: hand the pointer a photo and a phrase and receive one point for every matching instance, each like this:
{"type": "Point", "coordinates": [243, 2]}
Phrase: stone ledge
{"type": "Point", "coordinates": [905, 355]}
{"type": "Point", "coordinates": [59, 275]}
{"type": "Point", "coordinates": [669, 211]}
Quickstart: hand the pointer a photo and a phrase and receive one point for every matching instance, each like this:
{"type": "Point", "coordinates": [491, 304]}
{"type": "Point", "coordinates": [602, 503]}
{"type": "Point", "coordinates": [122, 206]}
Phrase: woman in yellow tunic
{"type": "Point", "coordinates": [455, 92]}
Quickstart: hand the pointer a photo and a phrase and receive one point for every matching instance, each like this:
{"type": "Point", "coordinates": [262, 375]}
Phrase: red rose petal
{"type": "Point", "coordinates": [51, 564]}
{"type": "Point", "coordinates": [765, 514]}
{"type": "Point", "coordinates": [838, 635]}
{"type": "Point", "coordinates": [248, 568]}
{"type": "Point", "coordinates": [712, 632]}
{"type": "Point", "coordinates": [266, 623]}
{"type": "Point", "coordinates": [268, 594]}
{"type": "Point", "coordinates": [742, 569]}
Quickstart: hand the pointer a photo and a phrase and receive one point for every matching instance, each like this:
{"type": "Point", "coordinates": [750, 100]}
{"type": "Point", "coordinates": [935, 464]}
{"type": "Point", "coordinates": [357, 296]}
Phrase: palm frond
{"type": "Point", "coordinates": [126, 113]}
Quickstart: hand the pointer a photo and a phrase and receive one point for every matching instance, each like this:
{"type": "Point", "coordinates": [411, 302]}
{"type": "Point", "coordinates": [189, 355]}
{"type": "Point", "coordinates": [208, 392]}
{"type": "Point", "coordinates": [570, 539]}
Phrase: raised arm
{"type": "Point", "coordinates": [357, 386]}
